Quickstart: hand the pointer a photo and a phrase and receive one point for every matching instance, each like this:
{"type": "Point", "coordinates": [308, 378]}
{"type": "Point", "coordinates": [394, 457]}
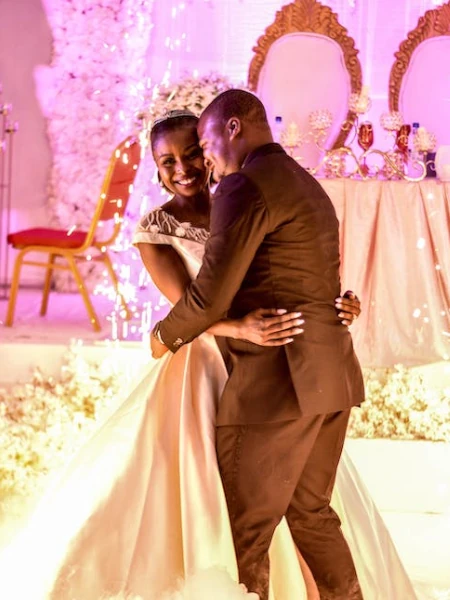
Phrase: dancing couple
{"type": "Point", "coordinates": [223, 459]}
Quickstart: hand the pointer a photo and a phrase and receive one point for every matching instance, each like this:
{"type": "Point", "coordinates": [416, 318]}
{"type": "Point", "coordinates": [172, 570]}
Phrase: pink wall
{"type": "Point", "coordinates": [25, 41]}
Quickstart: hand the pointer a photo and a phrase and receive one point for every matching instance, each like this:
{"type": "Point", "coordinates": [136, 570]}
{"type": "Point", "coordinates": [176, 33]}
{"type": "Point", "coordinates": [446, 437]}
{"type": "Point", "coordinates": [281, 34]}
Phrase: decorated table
{"type": "Point", "coordinates": [395, 251]}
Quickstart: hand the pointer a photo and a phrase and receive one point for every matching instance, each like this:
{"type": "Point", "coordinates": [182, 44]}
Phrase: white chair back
{"type": "Point", "coordinates": [304, 72]}
{"type": "Point", "coordinates": [425, 88]}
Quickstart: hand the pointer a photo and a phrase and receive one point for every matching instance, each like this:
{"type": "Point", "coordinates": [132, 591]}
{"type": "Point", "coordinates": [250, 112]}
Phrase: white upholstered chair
{"type": "Point", "coordinates": [419, 84]}
{"type": "Point", "coordinates": [305, 61]}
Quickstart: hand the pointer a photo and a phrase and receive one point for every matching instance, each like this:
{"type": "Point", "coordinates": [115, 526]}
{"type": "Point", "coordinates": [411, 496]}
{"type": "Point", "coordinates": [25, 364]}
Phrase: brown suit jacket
{"type": "Point", "coordinates": [274, 244]}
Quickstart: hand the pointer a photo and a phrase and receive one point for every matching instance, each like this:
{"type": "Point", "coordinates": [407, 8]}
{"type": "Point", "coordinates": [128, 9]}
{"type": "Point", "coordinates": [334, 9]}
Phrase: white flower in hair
{"type": "Point", "coordinates": [190, 93]}
{"type": "Point", "coordinates": [180, 231]}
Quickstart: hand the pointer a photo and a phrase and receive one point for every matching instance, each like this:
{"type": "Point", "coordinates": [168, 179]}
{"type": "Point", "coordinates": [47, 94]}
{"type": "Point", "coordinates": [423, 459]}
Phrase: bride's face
{"type": "Point", "coordinates": [180, 163]}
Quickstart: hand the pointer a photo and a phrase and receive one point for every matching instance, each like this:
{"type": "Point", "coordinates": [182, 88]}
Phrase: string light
{"type": "Point", "coordinates": [421, 243]}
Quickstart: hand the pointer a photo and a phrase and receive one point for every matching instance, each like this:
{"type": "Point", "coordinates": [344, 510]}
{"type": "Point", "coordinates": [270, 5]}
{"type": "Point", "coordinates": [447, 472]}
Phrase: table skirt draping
{"type": "Point", "coordinates": [395, 255]}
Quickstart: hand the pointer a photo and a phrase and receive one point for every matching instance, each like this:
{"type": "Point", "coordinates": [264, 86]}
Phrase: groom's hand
{"type": "Point", "coordinates": [157, 345]}
{"type": "Point", "coordinates": [269, 327]}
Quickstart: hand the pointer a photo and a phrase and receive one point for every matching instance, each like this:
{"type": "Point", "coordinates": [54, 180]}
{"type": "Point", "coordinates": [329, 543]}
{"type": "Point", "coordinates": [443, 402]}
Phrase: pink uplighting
{"type": "Point", "coordinates": [359, 97]}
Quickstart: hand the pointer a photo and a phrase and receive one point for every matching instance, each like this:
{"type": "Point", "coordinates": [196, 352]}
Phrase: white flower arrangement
{"type": "Point", "coordinates": [44, 422]}
{"type": "Point", "coordinates": [190, 93]}
{"type": "Point", "coordinates": [320, 119]}
{"type": "Point", "coordinates": [424, 140]}
{"type": "Point", "coordinates": [400, 406]}
{"type": "Point", "coordinates": [89, 95]}
{"type": "Point", "coordinates": [360, 103]}
{"type": "Point", "coordinates": [391, 121]}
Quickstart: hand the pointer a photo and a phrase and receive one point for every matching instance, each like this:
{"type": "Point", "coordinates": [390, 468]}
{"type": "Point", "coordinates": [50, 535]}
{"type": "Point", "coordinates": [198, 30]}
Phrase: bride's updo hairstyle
{"type": "Point", "coordinates": [171, 121]}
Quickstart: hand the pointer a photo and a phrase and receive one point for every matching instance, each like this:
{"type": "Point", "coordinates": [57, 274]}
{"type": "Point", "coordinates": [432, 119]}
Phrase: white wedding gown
{"type": "Point", "coordinates": [141, 506]}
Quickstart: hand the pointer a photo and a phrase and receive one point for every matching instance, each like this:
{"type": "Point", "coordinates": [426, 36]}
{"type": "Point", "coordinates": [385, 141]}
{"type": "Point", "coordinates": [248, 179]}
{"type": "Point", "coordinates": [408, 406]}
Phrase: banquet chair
{"type": "Point", "coordinates": [419, 82]}
{"type": "Point", "coordinates": [305, 61]}
{"type": "Point", "coordinates": [72, 245]}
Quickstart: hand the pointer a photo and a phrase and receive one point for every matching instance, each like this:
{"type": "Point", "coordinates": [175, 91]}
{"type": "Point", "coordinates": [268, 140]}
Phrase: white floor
{"type": "Point", "coordinates": [410, 481]}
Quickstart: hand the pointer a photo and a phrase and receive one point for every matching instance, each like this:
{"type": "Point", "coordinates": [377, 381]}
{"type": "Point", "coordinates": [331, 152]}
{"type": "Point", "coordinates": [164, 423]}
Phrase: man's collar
{"type": "Point", "coordinates": [271, 148]}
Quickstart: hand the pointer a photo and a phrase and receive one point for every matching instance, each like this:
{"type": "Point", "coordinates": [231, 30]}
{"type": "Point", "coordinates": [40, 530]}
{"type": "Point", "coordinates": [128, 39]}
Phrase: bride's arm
{"type": "Point", "coordinates": [166, 269]}
{"type": "Point", "coordinates": [267, 327]}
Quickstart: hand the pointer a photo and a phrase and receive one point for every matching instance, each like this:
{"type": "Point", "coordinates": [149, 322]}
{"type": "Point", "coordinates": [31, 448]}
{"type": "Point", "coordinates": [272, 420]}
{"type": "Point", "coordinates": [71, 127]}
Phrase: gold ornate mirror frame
{"type": "Point", "coordinates": [312, 17]}
{"type": "Point", "coordinates": [433, 23]}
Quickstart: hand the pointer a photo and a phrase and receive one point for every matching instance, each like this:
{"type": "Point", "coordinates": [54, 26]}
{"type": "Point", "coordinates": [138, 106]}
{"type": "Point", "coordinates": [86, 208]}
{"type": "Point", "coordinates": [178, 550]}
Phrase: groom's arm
{"type": "Point", "coordinates": [239, 222]}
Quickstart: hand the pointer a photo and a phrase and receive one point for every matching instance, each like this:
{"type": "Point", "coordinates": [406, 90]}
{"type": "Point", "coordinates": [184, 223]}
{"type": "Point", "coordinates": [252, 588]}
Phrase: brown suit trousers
{"type": "Point", "coordinates": [287, 468]}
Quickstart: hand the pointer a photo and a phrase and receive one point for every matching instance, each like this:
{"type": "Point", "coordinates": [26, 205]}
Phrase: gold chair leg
{"type": "Point", "coordinates": [115, 283]}
{"type": "Point", "coordinates": [14, 289]}
{"type": "Point", "coordinates": [47, 284]}
{"type": "Point", "coordinates": [84, 293]}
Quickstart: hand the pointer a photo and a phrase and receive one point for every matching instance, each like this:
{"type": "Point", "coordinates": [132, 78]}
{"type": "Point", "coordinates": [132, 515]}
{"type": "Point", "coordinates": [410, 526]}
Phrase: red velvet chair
{"type": "Point", "coordinates": [72, 246]}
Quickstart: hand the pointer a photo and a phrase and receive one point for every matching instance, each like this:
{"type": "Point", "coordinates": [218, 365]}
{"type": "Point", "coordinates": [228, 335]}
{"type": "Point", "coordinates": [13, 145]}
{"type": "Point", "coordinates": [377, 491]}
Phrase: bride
{"type": "Point", "coordinates": [140, 512]}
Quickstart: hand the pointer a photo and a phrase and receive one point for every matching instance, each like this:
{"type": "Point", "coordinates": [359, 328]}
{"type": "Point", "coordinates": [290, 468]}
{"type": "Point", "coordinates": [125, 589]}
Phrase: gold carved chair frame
{"type": "Point", "coordinates": [434, 23]}
{"type": "Point", "coordinates": [312, 17]}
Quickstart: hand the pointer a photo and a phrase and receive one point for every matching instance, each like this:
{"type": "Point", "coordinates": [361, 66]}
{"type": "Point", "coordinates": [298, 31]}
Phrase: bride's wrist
{"type": "Point", "coordinates": [235, 329]}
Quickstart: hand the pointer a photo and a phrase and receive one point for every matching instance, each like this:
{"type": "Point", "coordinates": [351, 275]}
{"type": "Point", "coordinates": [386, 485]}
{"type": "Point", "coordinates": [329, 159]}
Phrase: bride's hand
{"type": "Point", "coordinates": [349, 307]}
{"type": "Point", "coordinates": [269, 327]}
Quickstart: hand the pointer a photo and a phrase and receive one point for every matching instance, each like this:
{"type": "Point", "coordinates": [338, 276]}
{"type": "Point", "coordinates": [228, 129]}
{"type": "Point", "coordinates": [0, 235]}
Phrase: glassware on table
{"type": "Point", "coordinates": [365, 141]}
{"type": "Point", "coordinates": [402, 142]}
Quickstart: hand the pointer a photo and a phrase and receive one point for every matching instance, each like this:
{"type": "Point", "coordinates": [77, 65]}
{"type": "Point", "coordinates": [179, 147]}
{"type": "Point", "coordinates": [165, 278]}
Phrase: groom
{"type": "Point", "coordinates": [284, 411]}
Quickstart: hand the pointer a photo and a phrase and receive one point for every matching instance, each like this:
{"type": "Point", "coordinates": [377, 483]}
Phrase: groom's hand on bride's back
{"type": "Point", "coordinates": [269, 327]}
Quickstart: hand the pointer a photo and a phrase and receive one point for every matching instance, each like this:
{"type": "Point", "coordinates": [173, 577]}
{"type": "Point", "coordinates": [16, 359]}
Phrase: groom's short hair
{"type": "Point", "coordinates": [236, 103]}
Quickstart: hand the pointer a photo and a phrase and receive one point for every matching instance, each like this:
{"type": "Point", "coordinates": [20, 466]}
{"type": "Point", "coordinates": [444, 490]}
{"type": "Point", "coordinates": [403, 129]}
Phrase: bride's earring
{"type": "Point", "coordinates": [164, 187]}
{"type": "Point", "coordinates": [160, 181]}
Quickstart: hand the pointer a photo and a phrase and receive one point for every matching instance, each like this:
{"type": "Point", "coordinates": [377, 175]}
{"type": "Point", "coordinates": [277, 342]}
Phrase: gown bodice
{"type": "Point", "coordinates": [159, 227]}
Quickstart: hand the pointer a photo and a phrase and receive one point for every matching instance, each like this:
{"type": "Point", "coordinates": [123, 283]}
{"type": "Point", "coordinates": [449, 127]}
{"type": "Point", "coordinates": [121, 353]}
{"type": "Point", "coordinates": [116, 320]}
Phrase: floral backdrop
{"type": "Point", "coordinates": [89, 95]}
{"type": "Point", "coordinates": [97, 87]}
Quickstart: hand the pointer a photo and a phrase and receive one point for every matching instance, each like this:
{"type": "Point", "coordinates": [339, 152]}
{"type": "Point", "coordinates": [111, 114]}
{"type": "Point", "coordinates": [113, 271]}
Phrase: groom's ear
{"type": "Point", "coordinates": [233, 127]}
